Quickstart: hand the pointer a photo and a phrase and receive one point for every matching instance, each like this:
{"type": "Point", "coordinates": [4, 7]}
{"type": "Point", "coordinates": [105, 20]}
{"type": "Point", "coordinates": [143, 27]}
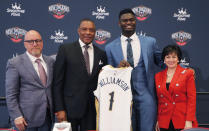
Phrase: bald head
{"type": "Point", "coordinates": [33, 43]}
{"type": "Point", "coordinates": [30, 33]}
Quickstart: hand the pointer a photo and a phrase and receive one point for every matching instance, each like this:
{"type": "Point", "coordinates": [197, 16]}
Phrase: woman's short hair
{"type": "Point", "coordinates": [172, 49]}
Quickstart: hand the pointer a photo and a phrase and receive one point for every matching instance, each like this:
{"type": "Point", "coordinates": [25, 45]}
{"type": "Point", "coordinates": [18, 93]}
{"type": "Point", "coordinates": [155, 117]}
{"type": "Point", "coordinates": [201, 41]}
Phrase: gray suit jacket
{"type": "Point", "coordinates": [25, 94]}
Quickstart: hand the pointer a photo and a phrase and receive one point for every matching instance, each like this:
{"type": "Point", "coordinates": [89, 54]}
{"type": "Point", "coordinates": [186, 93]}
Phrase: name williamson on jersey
{"type": "Point", "coordinates": [113, 80]}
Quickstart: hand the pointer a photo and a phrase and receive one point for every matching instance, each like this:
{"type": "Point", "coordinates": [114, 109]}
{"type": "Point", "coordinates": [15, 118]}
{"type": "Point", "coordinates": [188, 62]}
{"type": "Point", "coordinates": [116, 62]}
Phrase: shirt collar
{"type": "Point", "coordinates": [33, 58]}
{"type": "Point", "coordinates": [83, 44]}
{"type": "Point", "coordinates": [124, 38]}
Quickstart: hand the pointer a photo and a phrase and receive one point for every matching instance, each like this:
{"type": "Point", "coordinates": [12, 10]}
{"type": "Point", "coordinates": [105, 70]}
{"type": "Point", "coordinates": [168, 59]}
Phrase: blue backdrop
{"type": "Point", "coordinates": [182, 22]}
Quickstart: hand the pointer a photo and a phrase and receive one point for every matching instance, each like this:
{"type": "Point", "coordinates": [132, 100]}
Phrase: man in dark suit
{"type": "Point", "coordinates": [28, 86]}
{"type": "Point", "coordinates": [75, 78]}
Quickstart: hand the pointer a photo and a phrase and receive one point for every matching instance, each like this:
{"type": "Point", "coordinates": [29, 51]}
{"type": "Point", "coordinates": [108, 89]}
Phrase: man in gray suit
{"type": "Point", "coordinates": [28, 86]}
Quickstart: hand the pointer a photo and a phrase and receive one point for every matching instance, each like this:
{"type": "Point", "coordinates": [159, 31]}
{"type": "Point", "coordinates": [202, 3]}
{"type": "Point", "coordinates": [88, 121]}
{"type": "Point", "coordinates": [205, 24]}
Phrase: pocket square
{"type": "Point", "coordinates": [100, 62]}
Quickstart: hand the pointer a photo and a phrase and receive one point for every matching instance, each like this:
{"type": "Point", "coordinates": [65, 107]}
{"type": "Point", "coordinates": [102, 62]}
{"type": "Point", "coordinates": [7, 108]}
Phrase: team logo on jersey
{"type": "Point", "coordinates": [181, 38]}
{"type": "Point", "coordinates": [59, 36]}
{"type": "Point", "coordinates": [182, 15]}
{"type": "Point", "coordinates": [15, 10]}
{"type": "Point", "coordinates": [59, 10]}
{"type": "Point", "coordinates": [102, 36]}
{"type": "Point", "coordinates": [184, 62]}
{"type": "Point", "coordinates": [142, 12]}
{"type": "Point", "coordinates": [101, 12]}
{"type": "Point", "coordinates": [15, 34]}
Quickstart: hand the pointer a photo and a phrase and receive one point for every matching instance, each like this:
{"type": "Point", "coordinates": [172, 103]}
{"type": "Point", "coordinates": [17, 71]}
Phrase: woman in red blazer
{"type": "Point", "coordinates": [176, 93]}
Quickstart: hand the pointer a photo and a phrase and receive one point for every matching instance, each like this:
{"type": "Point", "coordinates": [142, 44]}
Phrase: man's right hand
{"type": "Point", "coordinates": [61, 116]}
{"type": "Point", "coordinates": [20, 123]}
{"type": "Point", "coordinates": [123, 63]}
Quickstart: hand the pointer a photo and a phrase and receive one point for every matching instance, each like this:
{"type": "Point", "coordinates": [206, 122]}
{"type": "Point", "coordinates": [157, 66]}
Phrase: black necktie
{"type": "Point", "coordinates": [86, 57]}
{"type": "Point", "coordinates": [130, 53]}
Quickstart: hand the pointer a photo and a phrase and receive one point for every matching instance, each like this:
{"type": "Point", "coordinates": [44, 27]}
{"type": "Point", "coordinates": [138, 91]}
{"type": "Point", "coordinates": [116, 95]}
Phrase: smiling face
{"type": "Point", "coordinates": [33, 43]}
{"type": "Point", "coordinates": [127, 23]}
{"type": "Point", "coordinates": [171, 60]}
{"type": "Point", "coordinates": [87, 31]}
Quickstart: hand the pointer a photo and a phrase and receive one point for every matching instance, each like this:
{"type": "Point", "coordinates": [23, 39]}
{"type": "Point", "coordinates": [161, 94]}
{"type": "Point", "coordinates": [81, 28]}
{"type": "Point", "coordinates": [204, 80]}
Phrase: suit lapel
{"type": "Point", "coordinates": [117, 50]}
{"type": "Point", "coordinates": [96, 60]}
{"type": "Point", "coordinates": [49, 70]}
{"type": "Point", "coordinates": [29, 67]}
{"type": "Point", "coordinates": [164, 77]}
{"type": "Point", "coordinates": [174, 80]}
{"type": "Point", "coordinates": [144, 51]}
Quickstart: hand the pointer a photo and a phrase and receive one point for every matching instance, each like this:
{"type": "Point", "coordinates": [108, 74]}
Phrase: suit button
{"type": "Point", "coordinates": [177, 95]}
{"type": "Point", "coordinates": [174, 103]}
{"type": "Point", "coordinates": [166, 104]}
{"type": "Point", "coordinates": [158, 86]}
{"type": "Point", "coordinates": [161, 95]}
{"type": "Point", "coordinates": [177, 84]}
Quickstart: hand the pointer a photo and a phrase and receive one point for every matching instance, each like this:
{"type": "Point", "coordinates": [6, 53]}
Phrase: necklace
{"type": "Point", "coordinates": [170, 74]}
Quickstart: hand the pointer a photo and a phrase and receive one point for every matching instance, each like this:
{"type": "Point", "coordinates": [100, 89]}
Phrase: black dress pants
{"type": "Point", "coordinates": [171, 128]}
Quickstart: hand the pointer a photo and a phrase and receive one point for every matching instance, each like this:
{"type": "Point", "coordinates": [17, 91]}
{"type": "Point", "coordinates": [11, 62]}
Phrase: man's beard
{"type": "Point", "coordinates": [36, 52]}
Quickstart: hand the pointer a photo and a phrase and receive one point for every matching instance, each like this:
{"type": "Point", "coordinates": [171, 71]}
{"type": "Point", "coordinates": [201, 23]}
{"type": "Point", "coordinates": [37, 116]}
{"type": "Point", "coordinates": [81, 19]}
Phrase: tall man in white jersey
{"type": "Point", "coordinates": [140, 52]}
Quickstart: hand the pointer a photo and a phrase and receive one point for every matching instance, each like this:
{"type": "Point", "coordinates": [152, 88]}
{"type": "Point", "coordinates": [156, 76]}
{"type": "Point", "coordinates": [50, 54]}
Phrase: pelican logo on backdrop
{"type": "Point", "coordinates": [181, 38]}
{"type": "Point", "coordinates": [142, 12]}
{"type": "Point", "coordinates": [15, 10]}
{"type": "Point", "coordinates": [141, 33]}
{"type": "Point", "coordinates": [59, 36]}
{"type": "Point", "coordinates": [15, 34]}
{"type": "Point", "coordinates": [102, 36]}
{"type": "Point", "coordinates": [184, 62]}
{"type": "Point", "coordinates": [182, 15]}
{"type": "Point", "coordinates": [101, 13]}
{"type": "Point", "coordinates": [59, 10]}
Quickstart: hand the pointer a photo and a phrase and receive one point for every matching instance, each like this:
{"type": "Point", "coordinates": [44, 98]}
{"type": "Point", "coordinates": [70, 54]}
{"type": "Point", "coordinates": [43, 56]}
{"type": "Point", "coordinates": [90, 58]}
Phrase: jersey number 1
{"type": "Point", "coordinates": [111, 100]}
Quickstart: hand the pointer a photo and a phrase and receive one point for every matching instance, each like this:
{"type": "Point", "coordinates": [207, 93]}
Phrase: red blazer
{"type": "Point", "coordinates": [179, 102]}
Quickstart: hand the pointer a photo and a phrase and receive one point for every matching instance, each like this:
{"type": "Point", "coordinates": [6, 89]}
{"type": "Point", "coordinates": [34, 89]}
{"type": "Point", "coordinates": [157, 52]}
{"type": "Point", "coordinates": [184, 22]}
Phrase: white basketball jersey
{"type": "Point", "coordinates": [115, 99]}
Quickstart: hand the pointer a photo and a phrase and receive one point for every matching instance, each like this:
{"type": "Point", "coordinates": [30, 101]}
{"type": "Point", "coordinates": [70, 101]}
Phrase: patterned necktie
{"type": "Point", "coordinates": [130, 53]}
{"type": "Point", "coordinates": [86, 57]}
{"type": "Point", "coordinates": [42, 73]}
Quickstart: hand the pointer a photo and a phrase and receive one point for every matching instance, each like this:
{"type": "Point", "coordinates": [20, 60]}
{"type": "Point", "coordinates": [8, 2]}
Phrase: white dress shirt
{"type": "Point", "coordinates": [35, 65]}
{"type": "Point", "coordinates": [91, 53]}
{"type": "Point", "coordinates": [136, 48]}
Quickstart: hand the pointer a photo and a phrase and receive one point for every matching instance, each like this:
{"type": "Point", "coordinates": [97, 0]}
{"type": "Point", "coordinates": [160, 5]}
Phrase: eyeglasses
{"type": "Point", "coordinates": [38, 41]}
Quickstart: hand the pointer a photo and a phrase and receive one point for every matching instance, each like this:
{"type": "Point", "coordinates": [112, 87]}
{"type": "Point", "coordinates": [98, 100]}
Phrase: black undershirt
{"type": "Point", "coordinates": [167, 86]}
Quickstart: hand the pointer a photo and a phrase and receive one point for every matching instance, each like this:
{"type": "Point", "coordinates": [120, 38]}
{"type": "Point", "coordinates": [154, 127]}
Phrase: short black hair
{"type": "Point", "coordinates": [171, 49]}
{"type": "Point", "coordinates": [86, 19]}
{"type": "Point", "coordinates": [125, 11]}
